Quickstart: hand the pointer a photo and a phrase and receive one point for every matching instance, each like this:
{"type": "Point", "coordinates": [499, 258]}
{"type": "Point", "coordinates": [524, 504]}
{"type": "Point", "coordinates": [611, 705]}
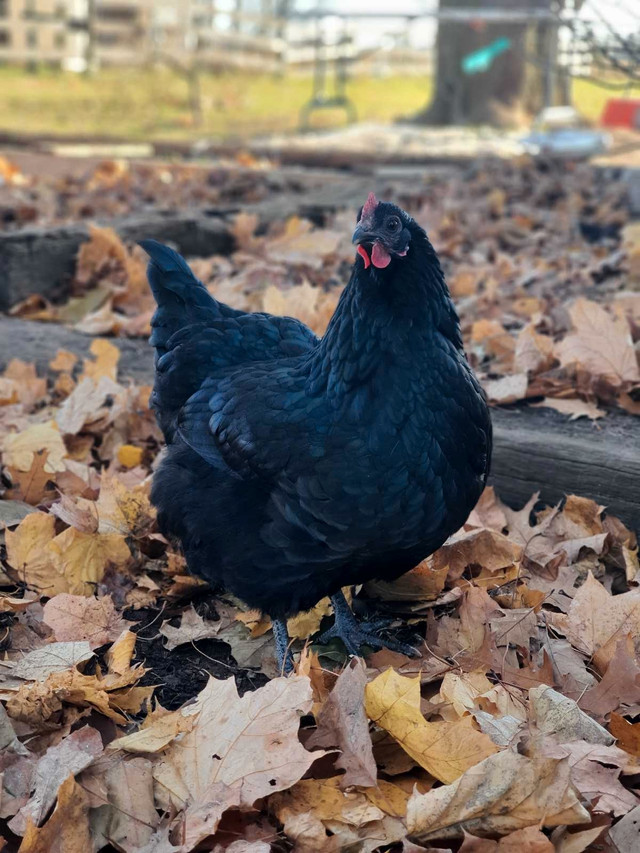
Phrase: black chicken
{"type": "Point", "coordinates": [295, 465]}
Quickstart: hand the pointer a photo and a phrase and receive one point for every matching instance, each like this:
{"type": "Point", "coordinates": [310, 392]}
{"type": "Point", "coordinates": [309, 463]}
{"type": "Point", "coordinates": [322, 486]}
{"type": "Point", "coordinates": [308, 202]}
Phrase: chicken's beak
{"type": "Point", "coordinates": [361, 235]}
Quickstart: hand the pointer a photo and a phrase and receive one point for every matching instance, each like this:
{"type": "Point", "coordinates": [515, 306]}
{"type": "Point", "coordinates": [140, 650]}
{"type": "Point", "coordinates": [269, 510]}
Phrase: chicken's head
{"type": "Point", "coordinates": [383, 232]}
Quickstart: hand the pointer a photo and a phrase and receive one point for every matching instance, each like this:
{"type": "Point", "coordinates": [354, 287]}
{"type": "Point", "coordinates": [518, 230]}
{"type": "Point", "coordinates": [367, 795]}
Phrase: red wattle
{"type": "Point", "coordinates": [380, 258]}
{"type": "Point", "coordinates": [363, 254]}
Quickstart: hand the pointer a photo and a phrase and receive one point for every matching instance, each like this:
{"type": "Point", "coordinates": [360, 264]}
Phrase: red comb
{"type": "Point", "coordinates": [369, 206]}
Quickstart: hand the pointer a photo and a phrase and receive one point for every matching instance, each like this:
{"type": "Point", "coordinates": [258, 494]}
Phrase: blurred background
{"type": "Point", "coordinates": [192, 71]}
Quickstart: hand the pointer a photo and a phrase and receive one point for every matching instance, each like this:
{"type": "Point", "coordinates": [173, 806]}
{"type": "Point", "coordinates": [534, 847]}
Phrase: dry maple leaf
{"type": "Point", "coordinates": [314, 805]}
{"type": "Point", "coordinates": [342, 723]}
{"type": "Point", "coordinates": [18, 448]}
{"type": "Point", "coordinates": [69, 562]}
{"type": "Point", "coordinates": [508, 389]}
{"type": "Point", "coordinates": [601, 344]}
{"type": "Point", "coordinates": [533, 352]}
{"type": "Point", "coordinates": [238, 750]}
{"type": "Point", "coordinates": [504, 793]}
{"type": "Point", "coordinates": [76, 617]}
{"type": "Point", "coordinates": [106, 360]}
{"type": "Point", "coordinates": [596, 620]}
{"type": "Point", "coordinates": [627, 734]}
{"type": "Point", "coordinates": [67, 830]}
{"type": "Point", "coordinates": [33, 485]}
{"type": "Point", "coordinates": [444, 749]}
{"type": "Point", "coordinates": [128, 818]}
{"type": "Point", "coordinates": [192, 628]}
{"type": "Point", "coordinates": [68, 758]}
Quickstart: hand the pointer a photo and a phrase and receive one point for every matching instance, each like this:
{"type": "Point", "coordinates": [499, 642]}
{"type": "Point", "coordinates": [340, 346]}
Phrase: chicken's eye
{"type": "Point", "coordinates": [393, 223]}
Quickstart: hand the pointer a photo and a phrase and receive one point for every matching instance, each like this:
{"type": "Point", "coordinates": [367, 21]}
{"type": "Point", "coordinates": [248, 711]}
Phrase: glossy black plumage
{"type": "Point", "coordinates": [295, 465]}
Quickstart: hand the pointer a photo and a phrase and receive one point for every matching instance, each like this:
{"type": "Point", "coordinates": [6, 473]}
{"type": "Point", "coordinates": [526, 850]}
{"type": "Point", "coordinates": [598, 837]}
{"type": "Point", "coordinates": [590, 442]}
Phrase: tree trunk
{"type": "Point", "coordinates": [511, 87]}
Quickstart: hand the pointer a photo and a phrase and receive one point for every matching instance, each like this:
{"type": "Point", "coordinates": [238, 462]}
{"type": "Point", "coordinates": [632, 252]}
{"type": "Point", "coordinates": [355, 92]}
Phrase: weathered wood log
{"type": "Point", "coordinates": [535, 449]}
{"type": "Point", "coordinates": [42, 260]}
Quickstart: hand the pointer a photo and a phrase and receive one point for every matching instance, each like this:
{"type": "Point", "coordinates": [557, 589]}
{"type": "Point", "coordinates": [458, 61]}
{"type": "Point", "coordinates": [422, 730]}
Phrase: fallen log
{"type": "Point", "coordinates": [534, 449]}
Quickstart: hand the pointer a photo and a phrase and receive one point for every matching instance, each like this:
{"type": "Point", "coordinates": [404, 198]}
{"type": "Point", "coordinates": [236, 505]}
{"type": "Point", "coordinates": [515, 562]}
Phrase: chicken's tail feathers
{"type": "Point", "coordinates": [182, 299]}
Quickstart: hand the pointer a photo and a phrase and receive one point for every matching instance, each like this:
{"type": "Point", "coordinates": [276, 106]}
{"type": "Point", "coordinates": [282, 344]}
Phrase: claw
{"type": "Point", "coordinates": [354, 634]}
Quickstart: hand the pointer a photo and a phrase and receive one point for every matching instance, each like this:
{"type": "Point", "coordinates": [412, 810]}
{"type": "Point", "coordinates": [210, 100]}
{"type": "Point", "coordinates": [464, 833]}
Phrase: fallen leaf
{"type": "Point", "coordinates": [533, 352]}
{"type": "Point", "coordinates": [597, 620]}
{"type": "Point", "coordinates": [342, 723]}
{"type": "Point", "coordinates": [504, 793]}
{"type": "Point", "coordinates": [75, 617]}
{"type": "Point", "coordinates": [558, 715]}
{"type": "Point", "coordinates": [68, 758]}
{"type": "Point", "coordinates": [106, 360]}
{"type": "Point", "coordinates": [600, 344]}
{"type": "Point", "coordinates": [18, 448]}
{"type": "Point", "coordinates": [573, 407]}
{"type": "Point", "coordinates": [624, 834]}
{"type": "Point", "coordinates": [191, 629]}
{"type": "Point", "coordinates": [55, 657]}
{"type": "Point", "coordinates": [627, 734]}
{"type": "Point", "coordinates": [71, 562]}
{"type": "Point", "coordinates": [129, 819]}
{"type": "Point", "coordinates": [507, 389]}
{"type": "Point", "coordinates": [253, 747]}
{"type": "Point", "coordinates": [444, 749]}
{"type": "Point", "coordinates": [129, 456]}
{"type": "Point", "coordinates": [67, 830]}
{"type": "Point", "coordinates": [620, 683]}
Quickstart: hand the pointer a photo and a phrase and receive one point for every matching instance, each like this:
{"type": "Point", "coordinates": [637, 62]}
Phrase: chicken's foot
{"type": "Point", "coordinates": [355, 634]}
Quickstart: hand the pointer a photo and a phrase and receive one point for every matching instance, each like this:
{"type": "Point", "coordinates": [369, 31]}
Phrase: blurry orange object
{"type": "Point", "coordinates": [622, 112]}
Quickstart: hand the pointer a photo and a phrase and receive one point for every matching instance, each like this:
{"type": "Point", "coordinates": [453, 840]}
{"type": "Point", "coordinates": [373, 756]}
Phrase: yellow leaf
{"type": "Point", "coordinates": [64, 360]}
{"type": "Point", "coordinates": [18, 448]}
{"type": "Point", "coordinates": [129, 456]}
{"type": "Point", "coordinates": [82, 558]}
{"type": "Point", "coordinates": [106, 360]}
{"type": "Point", "coordinates": [27, 548]}
{"type": "Point", "coordinates": [444, 749]}
{"type": "Point", "coordinates": [122, 510]}
{"type": "Point", "coordinates": [120, 654]}
{"type": "Point", "coordinates": [70, 562]}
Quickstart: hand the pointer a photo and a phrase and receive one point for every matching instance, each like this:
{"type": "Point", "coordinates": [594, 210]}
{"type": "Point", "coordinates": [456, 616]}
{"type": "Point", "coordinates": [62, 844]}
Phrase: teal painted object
{"type": "Point", "coordinates": [481, 60]}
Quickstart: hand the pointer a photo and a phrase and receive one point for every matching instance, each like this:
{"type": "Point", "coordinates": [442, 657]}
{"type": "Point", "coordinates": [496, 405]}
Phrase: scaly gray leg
{"type": "Point", "coordinates": [355, 634]}
{"type": "Point", "coordinates": [283, 652]}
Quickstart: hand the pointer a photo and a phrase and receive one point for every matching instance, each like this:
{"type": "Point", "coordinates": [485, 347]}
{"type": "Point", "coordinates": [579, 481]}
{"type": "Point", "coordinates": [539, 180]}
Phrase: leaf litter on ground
{"type": "Point", "coordinates": [143, 713]}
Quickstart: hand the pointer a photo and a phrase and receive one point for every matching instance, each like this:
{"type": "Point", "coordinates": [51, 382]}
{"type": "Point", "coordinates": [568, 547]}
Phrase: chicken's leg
{"type": "Point", "coordinates": [283, 652]}
{"type": "Point", "coordinates": [355, 634]}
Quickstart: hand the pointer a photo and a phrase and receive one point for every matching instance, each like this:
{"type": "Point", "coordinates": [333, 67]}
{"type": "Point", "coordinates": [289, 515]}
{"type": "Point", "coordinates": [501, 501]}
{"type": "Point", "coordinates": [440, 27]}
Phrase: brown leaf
{"type": "Point", "coordinates": [342, 723]}
{"type": "Point", "coordinates": [627, 734]}
{"type": "Point", "coordinates": [597, 620]}
{"type": "Point", "coordinates": [504, 793]}
{"type": "Point", "coordinates": [484, 548]}
{"type": "Point", "coordinates": [620, 683]}
{"type": "Point", "coordinates": [72, 755]}
{"type": "Point", "coordinates": [600, 344]}
{"type": "Point", "coordinates": [67, 830]}
{"type": "Point", "coordinates": [32, 486]}
{"type": "Point", "coordinates": [129, 819]}
{"type": "Point", "coordinates": [74, 617]}
{"type": "Point", "coordinates": [534, 352]}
